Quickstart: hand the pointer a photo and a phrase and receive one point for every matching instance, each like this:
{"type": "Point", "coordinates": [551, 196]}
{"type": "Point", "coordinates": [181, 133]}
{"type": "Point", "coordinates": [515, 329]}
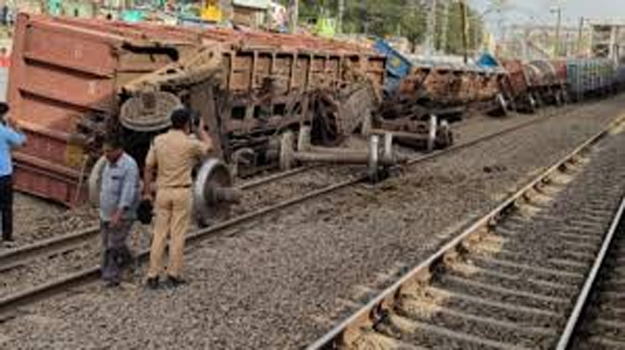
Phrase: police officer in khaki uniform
{"type": "Point", "coordinates": [173, 155]}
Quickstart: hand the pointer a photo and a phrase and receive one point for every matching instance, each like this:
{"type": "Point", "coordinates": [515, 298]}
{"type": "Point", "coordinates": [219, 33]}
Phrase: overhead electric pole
{"type": "Point", "coordinates": [294, 7]}
{"type": "Point", "coordinates": [556, 48]}
{"type": "Point", "coordinates": [464, 23]}
{"type": "Point", "coordinates": [580, 36]}
{"type": "Point", "coordinates": [341, 14]}
{"type": "Point", "coordinates": [430, 36]}
{"type": "Point", "coordinates": [365, 15]}
{"type": "Point", "coordinates": [445, 27]}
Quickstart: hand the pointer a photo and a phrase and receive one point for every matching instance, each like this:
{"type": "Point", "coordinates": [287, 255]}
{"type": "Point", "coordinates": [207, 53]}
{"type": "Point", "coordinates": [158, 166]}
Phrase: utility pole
{"type": "Point", "coordinates": [463, 15]}
{"type": "Point", "coordinates": [445, 27]}
{"type": "Point", "coordinates": [341, 14]}
{"type": "Point", "coordinates": [580, 36]}
{"type": "Point", "coordinates": [556, 48]}
{"type": "Point", "coordinates": [365, 14]}
{"type": "Point", "coordinates": [294, 15]}
{"type": "Point", "coordinates": [431, 28]}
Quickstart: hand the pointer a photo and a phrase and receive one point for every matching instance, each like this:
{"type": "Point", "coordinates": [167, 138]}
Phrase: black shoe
{"type": "Point", "coordinates": [174, 282]}
{"type": "Point", "coordinates": [112, 284]}
{"type": "Point", "coordinates": [152, 283]}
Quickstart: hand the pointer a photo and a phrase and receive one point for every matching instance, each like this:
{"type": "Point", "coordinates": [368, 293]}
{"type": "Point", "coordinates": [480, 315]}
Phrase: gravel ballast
{"type": "Point", "coordinates": [38, 219]}
{"type": "Point", "coordinates": [268, 284]}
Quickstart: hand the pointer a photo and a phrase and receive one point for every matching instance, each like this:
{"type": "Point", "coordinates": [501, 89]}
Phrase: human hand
{"type": "Point", "coordinates": [148, 196]}
{"type": "Point", "coordinates": [12, 122]}
{"type": "Point", "coordinates": [117, 218]}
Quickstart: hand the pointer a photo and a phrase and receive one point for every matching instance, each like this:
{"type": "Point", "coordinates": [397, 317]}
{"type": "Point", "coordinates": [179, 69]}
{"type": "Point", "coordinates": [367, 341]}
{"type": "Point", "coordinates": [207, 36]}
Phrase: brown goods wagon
{"type": "Point", "coordinates": [546, 83]}
{"type": "Point", "coordinates": [70, 79]}
{"type": "Point", "coordinates": [545, 73]}
{"type": "Point", "coordinates": [560, 67]}
{"type": "Point", "coordinates": [516, 78]}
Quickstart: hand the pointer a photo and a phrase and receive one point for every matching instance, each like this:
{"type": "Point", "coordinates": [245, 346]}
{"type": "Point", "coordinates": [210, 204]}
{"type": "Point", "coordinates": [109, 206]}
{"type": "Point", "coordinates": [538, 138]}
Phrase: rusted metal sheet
{"type": "Point", "coordinates": [516, 85]}
{"type": "Point", "coordinates": [547, 81]}
{"type": "Point", "coordinates": [69, 78]}
{"type": "Point", "coordinates": [452, 86]}
{"type": "Point", "coordinates": [561, 71]}
{"type": "Point", "coordinates": [516, 79]}
{"type": "Point", "coordinates": [61, 73]}
{"type": "Point", "coordinates": [545, 73]}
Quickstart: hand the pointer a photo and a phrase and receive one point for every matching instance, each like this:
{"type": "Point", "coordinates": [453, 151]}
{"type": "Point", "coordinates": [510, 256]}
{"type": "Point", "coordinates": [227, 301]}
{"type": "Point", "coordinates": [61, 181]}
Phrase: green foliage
{"type": "Point", "coordinates": [407, 18]}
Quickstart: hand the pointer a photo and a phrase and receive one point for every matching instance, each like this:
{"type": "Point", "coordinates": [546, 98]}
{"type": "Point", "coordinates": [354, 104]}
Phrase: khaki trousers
{"type": "Point", "coordinates": [173, 212]}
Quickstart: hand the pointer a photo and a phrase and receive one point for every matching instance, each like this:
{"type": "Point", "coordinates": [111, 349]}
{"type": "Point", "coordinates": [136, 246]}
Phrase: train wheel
{"type": "Point", "coordinates": [367, 124]}
{"type": "Point", "coordinates": [208, 207]}
{"type": "Point", "coordinates": [432, 130]}
{"type": "Point", "coordinates": [558, 96]}
{"type": "Point", "coordinates": [94, 183]}
{"type": "Point", "coordinates": [530, 103]}
{"type": "Point", "coordinates": [445, 136]}
{"type": "Point", "coordinates": [503, 104]}
{"type": "Point", "coordinates": [533, 103]}
{"type": "Point", "coordinates": [287, 141]}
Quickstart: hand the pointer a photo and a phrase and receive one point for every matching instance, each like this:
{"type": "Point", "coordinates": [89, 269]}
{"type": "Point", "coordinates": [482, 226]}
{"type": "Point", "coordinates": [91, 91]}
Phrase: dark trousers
{"type": "Point", "coordinates": [115, 252]}
{"type": "Point", "coordinates": [6, 207]}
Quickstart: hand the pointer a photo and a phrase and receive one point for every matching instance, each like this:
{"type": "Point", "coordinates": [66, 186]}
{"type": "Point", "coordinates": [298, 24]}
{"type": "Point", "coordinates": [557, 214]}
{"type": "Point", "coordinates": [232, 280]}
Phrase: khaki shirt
{"type": "Point", "coordinates": [174, 154]}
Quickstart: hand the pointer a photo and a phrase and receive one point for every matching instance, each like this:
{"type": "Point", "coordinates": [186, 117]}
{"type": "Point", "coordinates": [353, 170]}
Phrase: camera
{"type": "Point", "coordinates": [195, 119]}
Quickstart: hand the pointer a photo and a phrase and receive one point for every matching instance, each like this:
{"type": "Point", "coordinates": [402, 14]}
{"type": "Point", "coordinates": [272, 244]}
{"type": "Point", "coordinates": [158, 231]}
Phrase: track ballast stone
{"type": "Point", "coordinates": [268, 284]}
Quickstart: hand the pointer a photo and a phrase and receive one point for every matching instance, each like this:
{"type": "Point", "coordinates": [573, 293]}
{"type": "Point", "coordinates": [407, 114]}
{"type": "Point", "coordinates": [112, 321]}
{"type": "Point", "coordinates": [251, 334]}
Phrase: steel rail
{"type": "Point", "coordinates": [19, 256]}
{"type": "Point", "coordinates": [89, 274]}
{"type": "Point", "coordinates": [386, 297]}
{"type": "Point", "coordinates": [247, 185]}
{"type": "Point", "coordinates": [589, 284]}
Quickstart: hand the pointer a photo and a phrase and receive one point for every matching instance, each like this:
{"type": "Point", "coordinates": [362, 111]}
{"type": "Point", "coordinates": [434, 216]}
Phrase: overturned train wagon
{"type": "Point", "coordinates": [72, 82]}
{"type": "Point", "coordinates": [439, 87]}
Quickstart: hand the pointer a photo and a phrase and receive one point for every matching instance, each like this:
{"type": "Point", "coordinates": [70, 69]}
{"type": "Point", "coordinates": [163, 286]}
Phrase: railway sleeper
{"type": "Point", "coordinates": [520, 257]}
{"type": "Point", "coordinates": [501, 292]}
{"type": "Point", "coordinates": [471, 323]}
{"type": "Point", "coordinates": [430, 335]}
{"type": "Point", "coordinates": [604, 342]}
{"type": "Point", "coordinates": [517, 281]}
{"type": "Point", "coordinates": [542, 272]}
{"type": "Point", "coordinates": [464, 304]}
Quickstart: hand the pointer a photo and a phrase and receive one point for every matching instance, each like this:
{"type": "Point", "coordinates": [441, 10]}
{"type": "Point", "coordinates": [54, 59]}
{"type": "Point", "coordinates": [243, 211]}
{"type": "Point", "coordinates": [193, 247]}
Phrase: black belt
{"type": "Point", "coordinates": [178, 187]}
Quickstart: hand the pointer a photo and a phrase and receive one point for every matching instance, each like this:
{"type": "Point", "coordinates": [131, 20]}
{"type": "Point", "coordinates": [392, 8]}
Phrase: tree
{"type": "Point", "coordinates": [407, 18]}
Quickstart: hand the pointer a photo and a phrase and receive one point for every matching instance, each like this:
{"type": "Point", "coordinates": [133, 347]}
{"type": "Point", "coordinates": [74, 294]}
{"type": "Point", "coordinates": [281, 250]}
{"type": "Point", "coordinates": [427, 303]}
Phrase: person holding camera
{"type": "Point", "coordinates": [173, 155]}
{"type": "Point", "coordinates": [10, 137]}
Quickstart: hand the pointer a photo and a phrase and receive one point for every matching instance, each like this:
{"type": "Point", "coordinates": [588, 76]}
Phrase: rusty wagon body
{"type": "Point", "coordinates": [73, 81]}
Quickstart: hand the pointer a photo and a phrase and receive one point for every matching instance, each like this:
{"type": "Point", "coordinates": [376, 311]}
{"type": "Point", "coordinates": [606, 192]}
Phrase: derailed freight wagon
{"type": "Point", "coordinates": [561, 80]}
{"type": "Point", "coordinates": [74, 81]}
{"type": "Point", "coordinates": [434, 85]}
{"type": "Point", "coordinates": [516, 86]}
{"type": "Point", "coordinates": [424, 96]}
{"type": "Point", "coordinates": [547, 82]}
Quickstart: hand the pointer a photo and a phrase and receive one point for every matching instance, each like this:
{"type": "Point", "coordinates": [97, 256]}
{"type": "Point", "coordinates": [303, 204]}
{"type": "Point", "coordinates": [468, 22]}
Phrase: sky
{"type": "Point", "coordinates": [538, 10]}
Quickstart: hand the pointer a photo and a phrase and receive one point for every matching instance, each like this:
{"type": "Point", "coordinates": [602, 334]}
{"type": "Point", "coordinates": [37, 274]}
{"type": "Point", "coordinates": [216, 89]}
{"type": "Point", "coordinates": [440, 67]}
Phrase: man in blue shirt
{"type": "Point", "coordinates": [10, 137]}
{"type": "Point", "coordinates": [119, 199]}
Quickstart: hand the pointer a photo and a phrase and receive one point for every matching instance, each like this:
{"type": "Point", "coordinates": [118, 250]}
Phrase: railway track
{"type": "Point", "coordinates": [598, 318]}
{"type": "Point", "coordinates": [54, 246]}
{"type": "Point", "coordinates": [507, 281]}
{"type": "Point", "coordinates": [254, 188]}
